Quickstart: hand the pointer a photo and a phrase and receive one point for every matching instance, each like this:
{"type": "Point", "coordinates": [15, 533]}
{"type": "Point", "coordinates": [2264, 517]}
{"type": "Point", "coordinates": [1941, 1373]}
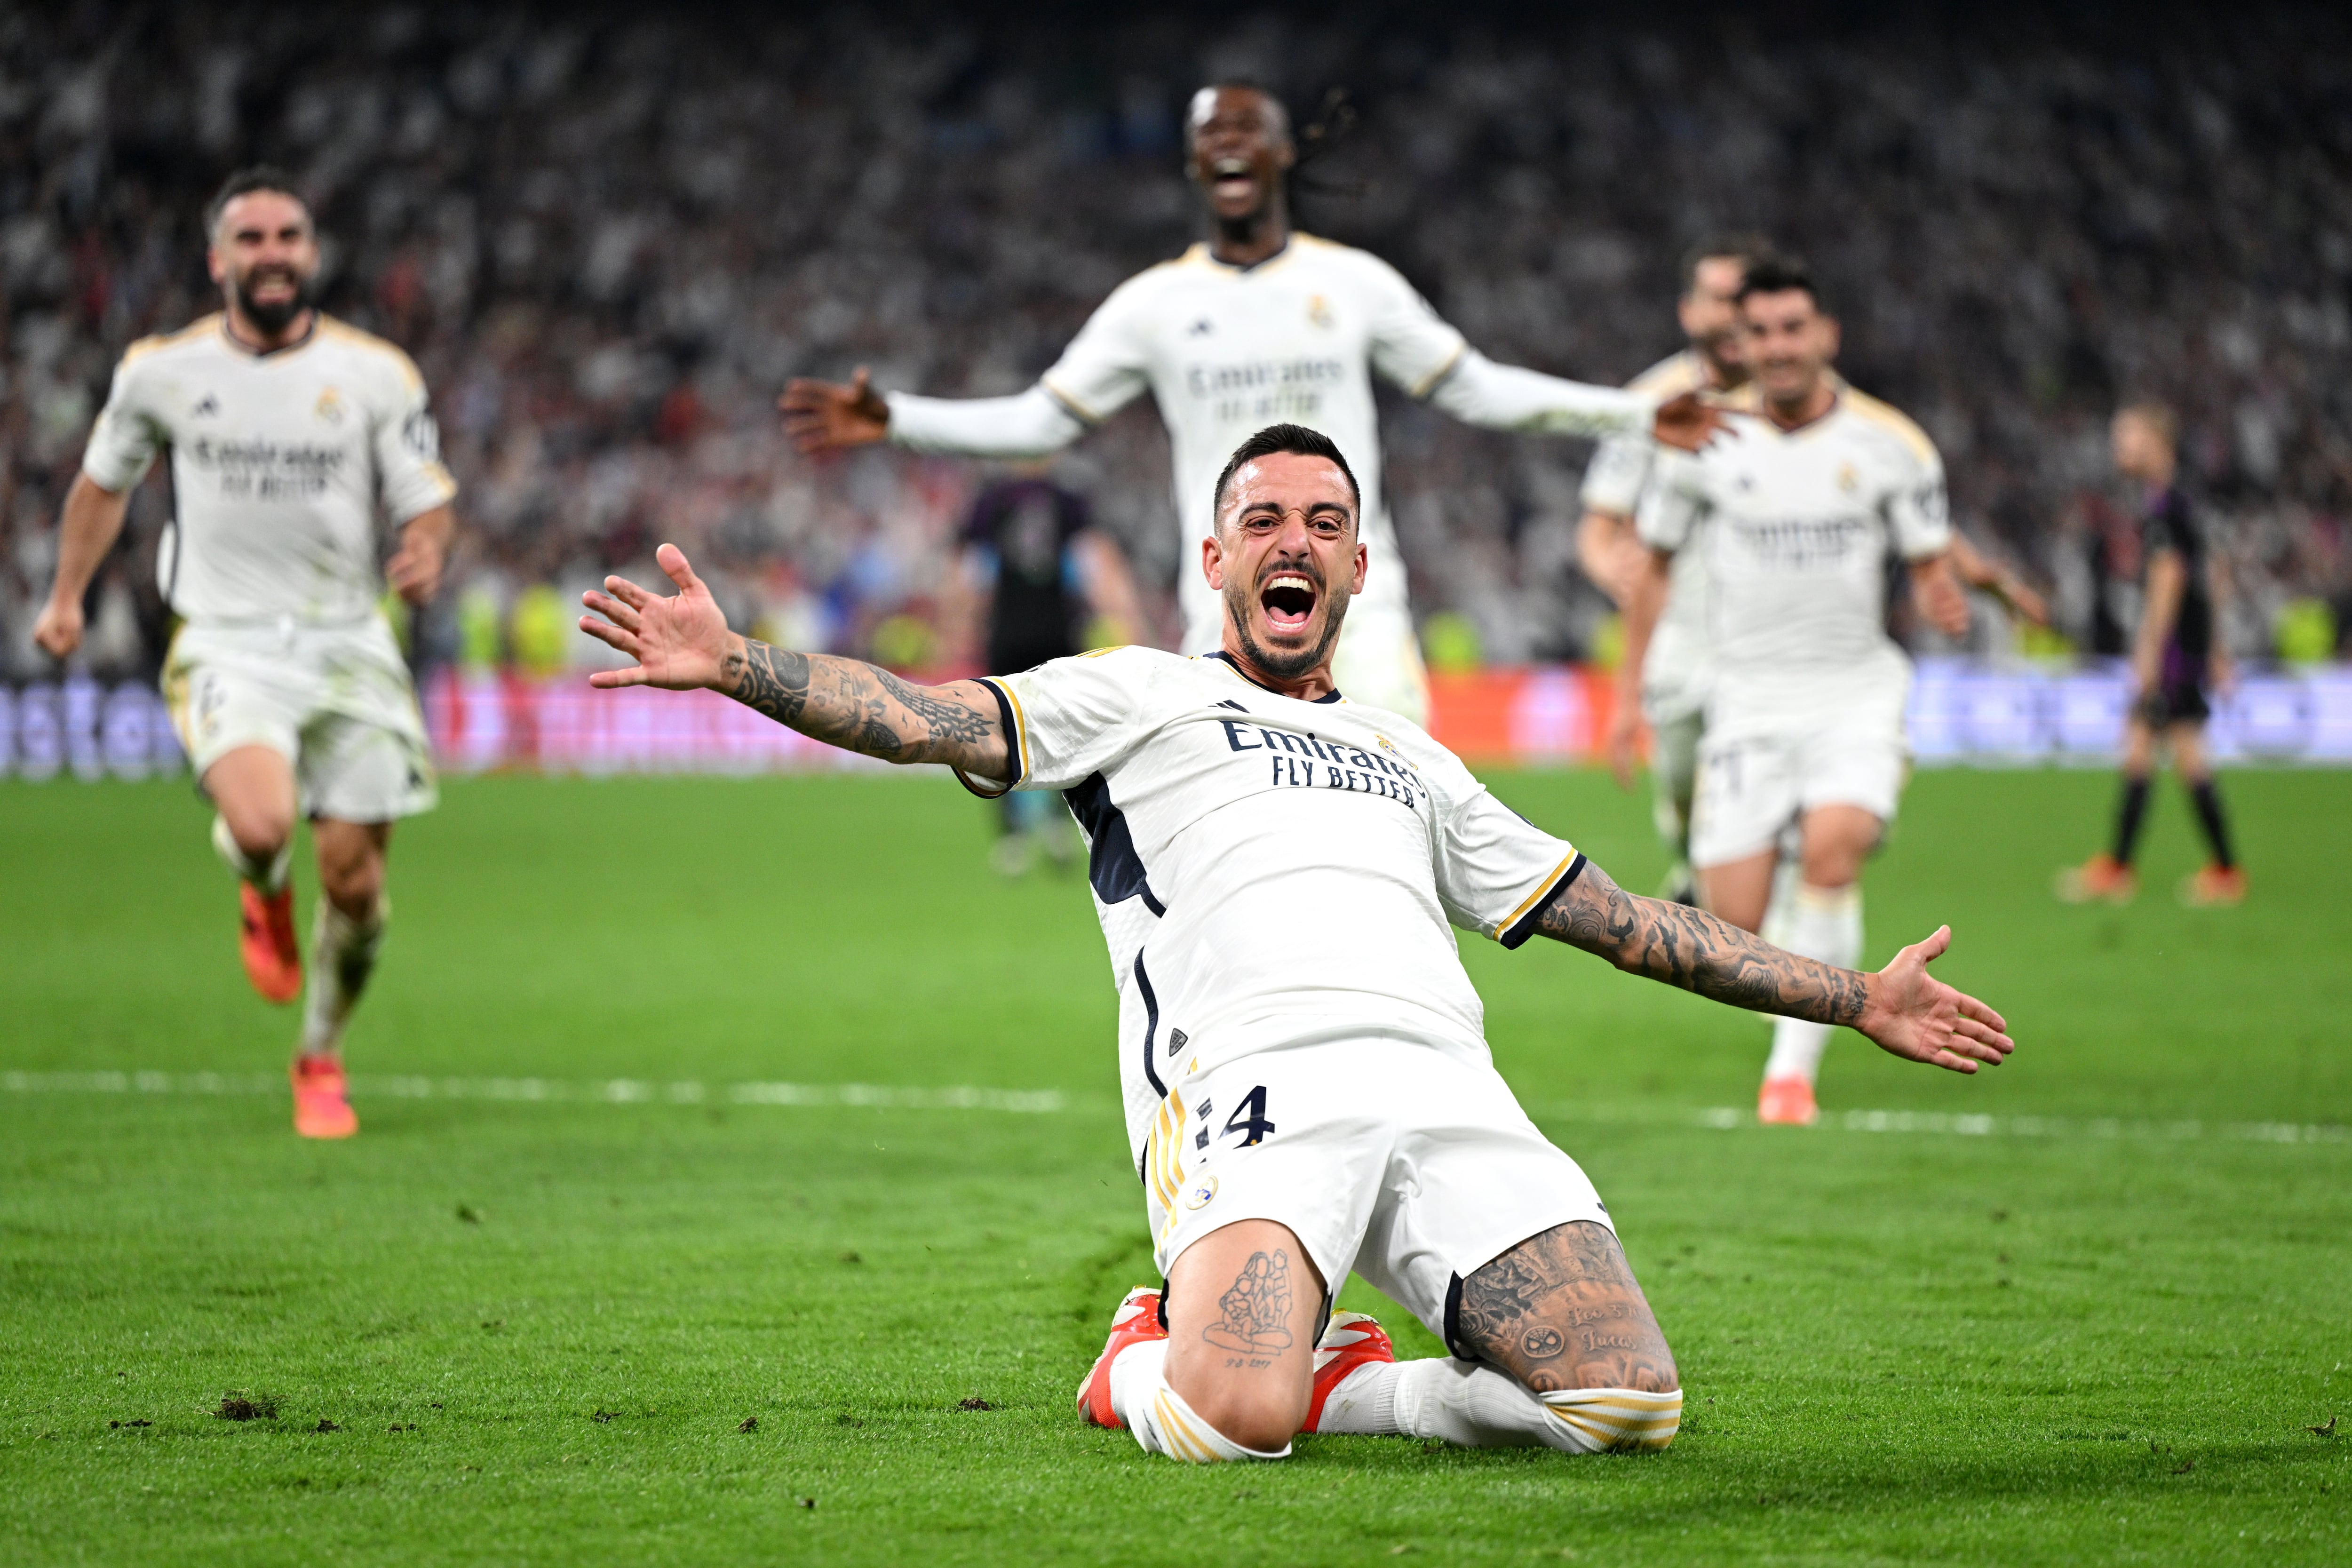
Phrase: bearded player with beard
{"type": "Point", "coordinates": [1308, 1089]}
{"type": "Point", "coordinates": [288, 433]}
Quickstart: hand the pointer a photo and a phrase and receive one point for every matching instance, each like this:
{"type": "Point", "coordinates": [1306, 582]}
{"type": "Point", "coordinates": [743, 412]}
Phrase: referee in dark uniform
{"type": "Point", "coordinates": [2175, 661]}
{"type": "Point", "coordinates": [1056, 585]}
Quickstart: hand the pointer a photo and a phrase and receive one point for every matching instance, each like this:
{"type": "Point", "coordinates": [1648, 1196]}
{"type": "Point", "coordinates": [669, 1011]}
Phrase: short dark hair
{"type": "Point", "coordinates": [1239, 84]}
{"type": "Point", "coordinates": [1779, 275]}
{"type": "Point", "coordinates": [244, 183]}
{"type": "Point", "coordinates": [1746, 249]}
{"type": "Point", "coordinates": [1296, 439]}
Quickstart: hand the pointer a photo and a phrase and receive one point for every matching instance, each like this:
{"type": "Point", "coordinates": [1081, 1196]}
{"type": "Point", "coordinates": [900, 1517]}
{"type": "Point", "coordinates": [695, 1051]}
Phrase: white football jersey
{"type": "Point", "coordinates": [1227, 351]}
{"type": "Point", "coordinates": [1798, 526]}
{"type": "Point", "coordinates": [279, 462]}
{"type": "Point", "coordinates": [1272, 872]}
{"type": "Point", "coordinates": [1673, 672]}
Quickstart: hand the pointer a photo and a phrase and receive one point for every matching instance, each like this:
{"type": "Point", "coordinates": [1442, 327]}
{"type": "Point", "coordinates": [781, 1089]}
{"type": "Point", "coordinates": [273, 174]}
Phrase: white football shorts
{"type": "Point", "coordinates": [1751, 786]}
{"type": "Point", "coordinates": [1402, 1162]}
{"type": "Point", "coordinates": [335, 701]}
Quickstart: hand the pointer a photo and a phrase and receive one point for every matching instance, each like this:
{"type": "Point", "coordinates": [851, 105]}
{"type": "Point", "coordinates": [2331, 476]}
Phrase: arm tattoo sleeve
{"type": "Point", "coordinates": [1692, 949]}
{"type": "Point", "coordinates": [849, 703]}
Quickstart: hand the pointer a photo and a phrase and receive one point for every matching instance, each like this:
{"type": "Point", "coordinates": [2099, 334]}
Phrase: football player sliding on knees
{"type": "Point", "coordinates": [1302, 1107]}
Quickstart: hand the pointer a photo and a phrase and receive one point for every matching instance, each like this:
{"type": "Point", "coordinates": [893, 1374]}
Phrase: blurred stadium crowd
{"type": "Point", "coordinates": [609, 237]}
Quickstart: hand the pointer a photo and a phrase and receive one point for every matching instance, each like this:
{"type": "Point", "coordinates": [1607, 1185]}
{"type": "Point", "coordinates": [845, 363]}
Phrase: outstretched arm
{"type": "Point", "coordinates": [1477, 391]}
{"type": "Point", "coordinates": [1901, 1007]}
{"type": "Point", "coordinates": [682, 643]}
{"type": "Point", "coordinates": [827, 417]}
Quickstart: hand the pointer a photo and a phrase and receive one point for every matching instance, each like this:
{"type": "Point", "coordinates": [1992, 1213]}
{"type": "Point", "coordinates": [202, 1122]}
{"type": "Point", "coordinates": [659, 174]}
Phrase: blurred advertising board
{"type": "Point", "coordinates": [481, 721]}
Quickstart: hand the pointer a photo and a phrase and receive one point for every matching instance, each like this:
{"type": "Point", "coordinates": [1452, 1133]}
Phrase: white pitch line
{"type": "Point", "coordinates": [1728, 1118]}
{"type": "Point", "coordinates": [888, 1096]}
{"type": "Point", "coordinates": [611, 1091]}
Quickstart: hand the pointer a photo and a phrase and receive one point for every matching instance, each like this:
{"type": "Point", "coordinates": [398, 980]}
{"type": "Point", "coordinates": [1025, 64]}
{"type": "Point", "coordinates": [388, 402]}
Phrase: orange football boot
{"type": "Point", "coordinates": [2102, 878]}
{"type": "Point", "coordinates": [1786, 1102]}
{"type": "Point", "coordinates": [2214, 886]}
{"type": "Point", "coordinates": [321, 1108]}
{"type": "Point", "coordinates": [1349, 1341]}
{"type": "Point", "coordinates": [273, 960]}
{"type": "Point", "coordinates": [1136, 1323]}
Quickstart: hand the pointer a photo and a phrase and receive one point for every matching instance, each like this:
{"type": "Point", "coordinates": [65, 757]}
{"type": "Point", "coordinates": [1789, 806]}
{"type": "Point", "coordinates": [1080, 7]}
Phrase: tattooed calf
{"type": "Point", "coordinates": [1256, 1310]}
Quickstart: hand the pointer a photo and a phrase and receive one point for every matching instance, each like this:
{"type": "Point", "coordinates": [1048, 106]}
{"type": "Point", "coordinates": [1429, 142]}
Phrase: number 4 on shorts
{"type": "Point", "coordinates": [1249, 1117]}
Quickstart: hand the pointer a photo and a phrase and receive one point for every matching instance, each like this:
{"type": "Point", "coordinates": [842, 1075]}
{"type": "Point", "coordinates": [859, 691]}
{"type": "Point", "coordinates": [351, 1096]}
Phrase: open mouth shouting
{"type": "Point", "coordinates": [1231, 180]}
{"type": "Point", "coordinates": [1288, 599]}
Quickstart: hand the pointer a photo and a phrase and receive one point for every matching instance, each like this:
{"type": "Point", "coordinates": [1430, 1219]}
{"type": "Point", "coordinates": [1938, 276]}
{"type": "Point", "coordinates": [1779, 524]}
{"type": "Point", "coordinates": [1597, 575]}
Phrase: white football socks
{"type": "Point", "coordinates": [1162, 1422]}
{"type": "Point", "coordinates": [343, 956]}
{"type": "Point", "coordinates": [1823, 923]}
{"type": "Point", "coordinates": [268, 876]}
{"type": "Point", "coordinates": [1479, 1407]}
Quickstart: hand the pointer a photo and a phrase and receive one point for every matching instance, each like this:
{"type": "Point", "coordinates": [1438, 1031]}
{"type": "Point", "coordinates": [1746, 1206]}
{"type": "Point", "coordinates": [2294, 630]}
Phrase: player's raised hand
{"type": "Point", "coordinates": [678, 642]}
{"type": "Point", "coordinates": [1918, 1017]}
{"type": "Point", "coordinates": [826, 416]}
{"type": "Point", "coordinates": [1687, 422]}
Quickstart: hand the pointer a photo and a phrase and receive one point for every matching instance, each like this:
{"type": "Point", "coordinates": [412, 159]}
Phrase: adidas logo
{"type": "Point", "coordinates": [206, 405]}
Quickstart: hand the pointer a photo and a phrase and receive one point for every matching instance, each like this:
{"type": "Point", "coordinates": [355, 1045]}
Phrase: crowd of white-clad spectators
{"type": "Point", "coordinates": [609, 236]}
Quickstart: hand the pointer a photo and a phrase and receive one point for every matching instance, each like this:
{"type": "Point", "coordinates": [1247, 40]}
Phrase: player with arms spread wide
{"type": "Point", "coordinates": [287, 431]}
{"type": "Point", "coordinates": [1257, 324]}
{"type": "Point", "coordinates": [1308, 1088]}
{"type": "Point", "coordinates": [1797, 505]}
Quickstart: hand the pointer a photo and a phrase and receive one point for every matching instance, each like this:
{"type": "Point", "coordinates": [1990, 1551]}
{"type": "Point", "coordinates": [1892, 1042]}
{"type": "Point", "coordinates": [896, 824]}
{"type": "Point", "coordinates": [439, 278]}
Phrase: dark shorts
{"type": "Point", "coordinates": [2179, 697]}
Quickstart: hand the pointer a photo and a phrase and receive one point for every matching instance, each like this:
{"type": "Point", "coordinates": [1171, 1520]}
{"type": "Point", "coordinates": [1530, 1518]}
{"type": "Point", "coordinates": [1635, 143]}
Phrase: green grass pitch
{"type": "Point", "coordinates": [538, 1326]}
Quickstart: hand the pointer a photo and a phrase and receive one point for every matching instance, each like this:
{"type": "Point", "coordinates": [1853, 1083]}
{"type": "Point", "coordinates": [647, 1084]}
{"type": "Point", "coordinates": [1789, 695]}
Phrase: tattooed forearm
{"type": "Point", "coordinates": [770, 681]}
{"type": "Point", "coordinates": [951, 723]}
{"type": "Point", "coordinates": [849, 703]}
{"type": "Point", "coordinates": [1692, 949]}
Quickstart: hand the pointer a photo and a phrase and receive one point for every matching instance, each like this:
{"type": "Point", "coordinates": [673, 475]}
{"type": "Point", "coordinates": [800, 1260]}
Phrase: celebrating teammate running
{"type": "Point", "coordinates": [1308, 1089]}
{"type": "Point", "coordinates": [1257, 324]}
{"type": "Point", "coordinates": [287, 431]}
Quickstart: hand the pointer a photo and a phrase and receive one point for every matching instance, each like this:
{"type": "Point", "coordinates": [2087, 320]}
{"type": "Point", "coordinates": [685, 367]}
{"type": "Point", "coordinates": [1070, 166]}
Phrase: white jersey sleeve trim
{"type": "Point", "coordinates": [1031, 424]}
{"type": "Point", "coordinates": [1522, 921]}
{"type": "Point", "coordinates": [1016, 740]}
{"type": "Point", "coordinates": [1477, 391]}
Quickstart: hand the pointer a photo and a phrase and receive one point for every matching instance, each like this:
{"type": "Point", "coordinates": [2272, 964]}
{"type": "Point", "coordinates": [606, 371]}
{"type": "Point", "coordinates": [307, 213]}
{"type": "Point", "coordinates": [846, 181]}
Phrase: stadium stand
{"type": "Point", "coordinates": [609, 241]}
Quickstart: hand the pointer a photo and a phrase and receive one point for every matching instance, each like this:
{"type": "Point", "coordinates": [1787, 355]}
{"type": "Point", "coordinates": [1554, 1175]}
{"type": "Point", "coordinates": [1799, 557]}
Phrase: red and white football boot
{"type": "Point", "coordinates": [1786, 1102]}
{"type": "Point", "coordinates": [321, 1108]}
{"type": "Point", "coordinates": [1349, 1340]}
{"type": "Point", "coordinates": [1136, 1323]}
{"type": "Point", "coordinates": [273, 959]}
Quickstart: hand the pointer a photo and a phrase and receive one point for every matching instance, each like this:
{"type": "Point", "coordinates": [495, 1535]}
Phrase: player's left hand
{"type": "Point", "coordinates": [1687, 422]}
{"type": "Point", "coordinates": [1919, 1018]}
{"type": "Point", "coordinates": [415, 569]}
{"type": "Point", "coordinates": [680, 643]}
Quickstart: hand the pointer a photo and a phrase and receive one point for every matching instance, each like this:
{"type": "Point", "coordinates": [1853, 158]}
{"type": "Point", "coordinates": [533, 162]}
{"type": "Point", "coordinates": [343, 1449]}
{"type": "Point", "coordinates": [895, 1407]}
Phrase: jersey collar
{"type": "Point", "coordinates": [249, 351]}
{"type": "Point", "coordinates": [1226, 659]}
{"type": "Point", "coordinates": [1237, 269]}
